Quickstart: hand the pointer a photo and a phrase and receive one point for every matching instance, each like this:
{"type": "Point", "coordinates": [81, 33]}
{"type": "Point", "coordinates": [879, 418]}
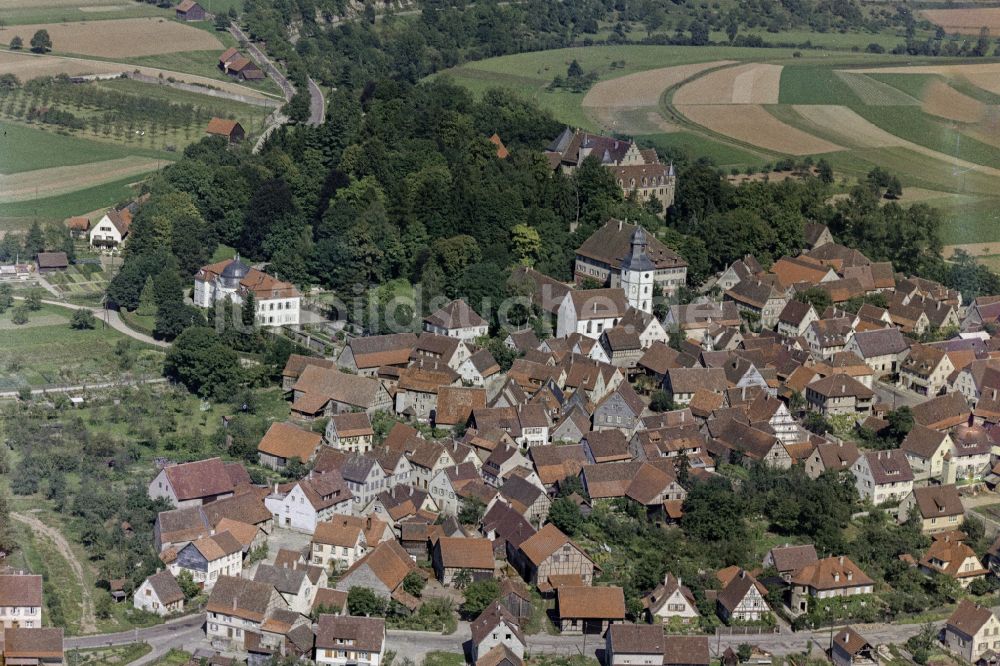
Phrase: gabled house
{"type": "Point", "coordinates": [795, 318]}
{"type": "Point", "coordinates": [589, 610]}
{"type": "Point", "coordinates": [159, 594]}
{"type": "Point", "coordinates": [303, 504]}
{"type": "Point", "coordinates": [209, 558]}
{"type": "Point", "coordinates": [627, 644]}
{"type": "Point", "coordinates": [343, 540]}
{"type": "Point", "coordinates": [670, 599]}
{"type": "Point", "coordinates": [527, 499]}
{"type": "Point", "coordinates": [950, 556]}
{"type": "Point", "coordinates": [831, 457]}
{"type": "Point", "coordinates": [620, 410]}
{"type": "Point", "coordinates": [943, 412]}
{"type": "Point", "coordinates": [741, 597]}
{"type": "Point", "coordinates": [882, 476]}
{"type": "Point", "coordinates": [549, 552]}
{"type": "Point", "coordinates": [325, 392]}
{"type": "Point", "coordinates": [501, 462]}
{"type": "Point", "coordinates": [971, 454]}
{"type": "Point", "coordinates": [787, 560]}
{"type": "Point", "coordinates": [451, 555]}
{"type": "Point", "coordinates": [364, 356]}
{"type": "Point", "coordinates": [34, 646]}
{"type": "Point", "coordinates": [827, 578]}
{"type": "Point", "coordinates": [112, 229]}
{"type": "Point", "coordinates": [284, 442]}
{"type": "Point", "coordinates": [852, 649]}
{"type": "Point", "coordinates": [479, 368]}
{"type": "Point", "coordinates": [760, 301]}
{"type": "Point", "coordinates": [590, 311]}
{"type": "Point", "coordinates": [972, 631]}
{"type": "Point", "coordinates": [926, 449]}
{"type": "Point", "coordinates": [496, 626]}
{"type": "Point", "coordinates": [195, 483]}
{"type": "Point", "coordinates": [351, 432]}
{"type": "Point", "coordinates": [682, 383]}
{"type": "Point", "coordinates": [939, 508]}
{"type": "Point", "coordinates": [883, 350]}
{"type": "Point", "coordinates": [20, 601]}
{"type": "Point", "coordinates": [382, 571]}
{"type": "Point", "coordinates": [237, 609]}
{"type": "Point", "coordinates": [839, 395]}
{"type": "Point", "coordinates": [925, 370]}
{"type": "Point", "coordinates": [362, 472]}
{"type": "Point", "coordinates": [401, 503]}
{"type": "Point", "coordinates": [341, 641]}
{"type": "Point", "coordinates": [456, 320]}
{"type": "Point", "coordinates": [297, 583]}
{"type": "Point", "coordinates": [294, 366]}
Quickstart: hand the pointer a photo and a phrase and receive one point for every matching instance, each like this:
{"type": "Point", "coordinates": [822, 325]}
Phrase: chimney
{"type": "Point", "coordinates": [743, 573]}
{"type": "Point", "coordinates": [841, 560]}
{"type": "Point", "coordinates": [619, 225]}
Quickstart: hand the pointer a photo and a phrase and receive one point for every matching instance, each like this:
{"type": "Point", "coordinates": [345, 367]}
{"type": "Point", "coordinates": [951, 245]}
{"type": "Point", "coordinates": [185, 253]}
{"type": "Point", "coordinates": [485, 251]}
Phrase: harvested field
{"type": "Point", "coordinates": [848, 126]}
{"type": "Point", "coordinates": [876, 93]}
{"type": "Point", "coordinates": [752, 124]}
{"type": "Point", "coordinates": [44, 4]}
{"type": "Point", "coordinates": [41, 183]}
{"type": "Point", "coordinates": [643, 88]}
{"type": "Point", "coordinates": [753, 83]}
{"type": "Point", "coordinates": [940, 99]}
{"type": "Point", "coordinates": [27, 66]}
{"type": "Point", "coordinates": [119, 38]}
{"type": "Point", "coordinates": [967, 21]}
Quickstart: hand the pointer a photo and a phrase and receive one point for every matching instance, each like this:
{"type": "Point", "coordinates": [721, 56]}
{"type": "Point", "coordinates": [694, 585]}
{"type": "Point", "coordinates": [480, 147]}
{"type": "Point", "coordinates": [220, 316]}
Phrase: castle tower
{"type": "Point", "coordinates": [638, 273]}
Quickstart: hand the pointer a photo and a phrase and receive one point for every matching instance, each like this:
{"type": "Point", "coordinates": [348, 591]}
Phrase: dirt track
{"type": "Point", "coordinates": [119, 38]}
{"type": "Point", "coordinates": [88, 621]}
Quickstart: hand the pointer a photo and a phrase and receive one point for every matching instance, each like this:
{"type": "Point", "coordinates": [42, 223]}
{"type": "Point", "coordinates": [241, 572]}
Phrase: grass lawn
{"type": "Point", "coordinates": [47, 351]}
{"type": "Point", "coordinates": [122, 654]}
{"type": "Point", "coordinates": [138, 322]}
{"type": "Point", "coordinates": [222, 252]}
{"type": "Point", "coordinates": [40, 12]}
{"type": "Point", "coordinates": [438, 658]}
{"type": "Point", "coordinates": [25, 148]}
{"type": "Point", "coordinates": [19, 215]}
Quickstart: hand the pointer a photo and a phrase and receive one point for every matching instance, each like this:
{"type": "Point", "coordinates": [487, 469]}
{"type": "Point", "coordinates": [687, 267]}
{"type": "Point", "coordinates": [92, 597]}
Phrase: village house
{"type": "Point", "coordinates": [883, 350]}
{"type": "Point", "coordinates": [196, 483]}
{"type": "Point", "coordinates": [446, 485]}
{"type": "Point", "coordinates": [979, 377]}
{"type": "Point", "coordinates": [301, 505]}
{"type": "Point", "coordinates": [284, 442]}
{"type": "Point", "coordinates": [343, 540]}
{"type": "Point", "coordinates": [741, 597]}
{"type": "Point", "coordinates": [950, 556]}
{"type": "Point", "coordinates": [495, 627]}
{"type": "Point", "coordinates": [400, 503]}
{"type": "Point", "coordinates": [548, 553]}
{"type": "Point", "coordinates": [237, 608]}
{"type": "Point", "coordinates": [590, 311]}
{"type": "Point", "coordinates": [350, 432]}
{"type": "Point", "coordinates": [882, 476]}
{"type": "Point", "coordinates": [852, 649]}
{"type": "Point", "coordinates": [787, 560]}
{"type": "Point", "coordinates": [634, 644]}
{"type": "Point", "coordinates": [670, 599]}
{"type": "Point", "coordinates": [971, 631]}
{"type": "Point", "coordinates": [926, 450]}
{"type": "Point", "coordinates": [501, 462]}
{"type": "Point", "coordinates": [295, 365]}
{"type": "Point", "coordinates": [452, 555]}
{"type": "Point", "coordinates": [277, 303]}
{"type": "Point", "coordinates": [479, 368]}
{"type": "Point", "coordinates": [971, 454]}
{"type": "Point", "coordinates": [827, 578]}
{"type": "Point", "coordinates": [111, 231]}
{"type": "Point", "coordinates": [20, 601]}
{"type": "Point", "coordinates": [382, 571]}
{"type": "Point", "coordinates": [235, 64]}
{"type": "Point", "coordinates": [693, 320]}
{"type": "Point", "coordinates": [325, 392]}
{"type": "Point", "coordinates": [79, 227]}
{"type": "Point", "coordinates": [795, 318]}
{"type": "Point", "coordinates": [939, 508]}
{"type": "Point", "coordinates": [816, 234]}
{"type": "Point", "coordinates": [189, 10]}
{"type": "Point", "coordinates": [456, 320]}
{"type": "Point", "coordinates": [827, 337]}
{"type": "Point", "coordinates": [296, 583]}
{"type": "Point", "coordinates": [51, 262]}
{"type": "Point", "coordinates": [159, 594]}
{"type": "Point", "coordinates": [528, 499]}
{"type": "Point", "coordinates": [636, 170]}
{"type": "Point", "coordinates": [231, 130]}
{"type": "Point", "coordinates": [349, 641]}
{"type": "Point", "coordinates": [620, 410]}
{"type": "Point", "coordinates": [417, 391]}
{"type": "Point", "coordinates": [249, 536]}
{"type": "Point", "coordinates": [831, 456]}
{"type": "Point", "coordinates": [839, 395]}
{"type": "Point", "coordinates": [365, 355]}
{"type": "Point", "coordinates": [589, 610]}
{"type": "Point", "coordinates": [943, 412]}
{"type": "Point", "coordinates": [686, 651]}
{"type": "Point", "coordinates": [209, 558]}
{"type": "Point", "coordinates": [768, 410]}
{"type": "Point", "coordinates": [364, 475]}
{"type": "Point", "coordinates": [760, 302]}
{"type": "Point", "coordinates": [35, 646]}
{"type": "Point", "coordinates": [682, 383]}
{"type": "Point", "coordinates": [439, 352]}
{"type": "Point", "coordinates": [925, 370]}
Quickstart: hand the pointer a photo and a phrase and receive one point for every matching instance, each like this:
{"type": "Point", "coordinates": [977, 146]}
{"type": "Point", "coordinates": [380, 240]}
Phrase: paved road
{"type": "Point", "coordinates": [112, 319]}
{"type": "Point", "coordinates": [265, 63]}
{"type": "Point", "coordinates": [894, 397]}
{"type": "Point", "coordinates": [77, 388]}
{"type": "Point", "coordinates": [184, 634]}
{"type": "Point", "coordinates": [317, 105]}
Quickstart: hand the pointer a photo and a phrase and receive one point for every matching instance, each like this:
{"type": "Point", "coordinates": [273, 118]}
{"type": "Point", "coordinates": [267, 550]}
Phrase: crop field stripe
{"type": "Point", "coordinates": [876, 93]}
{"type": "Point", "coordinates": [813, 84]}
{"type": "Point", "coordinates": [54, 181]}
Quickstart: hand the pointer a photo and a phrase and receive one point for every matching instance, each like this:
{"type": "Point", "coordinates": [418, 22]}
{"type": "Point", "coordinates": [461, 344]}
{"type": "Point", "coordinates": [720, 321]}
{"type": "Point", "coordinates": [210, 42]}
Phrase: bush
{"type": "Point", "coordinates": [82, 320]}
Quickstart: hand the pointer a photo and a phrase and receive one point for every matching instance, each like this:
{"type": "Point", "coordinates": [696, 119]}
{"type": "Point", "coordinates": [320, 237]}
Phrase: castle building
{"type": "Point", "coordinates": [603, 257]}
{"type": "Point", "coordinates": [277, 303]}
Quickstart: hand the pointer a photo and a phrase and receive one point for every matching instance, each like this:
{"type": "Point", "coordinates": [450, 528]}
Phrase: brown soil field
{"type": "Point", "coordinates": [752, 124]}
{"type": "Point", "coordinates": [967, 21]}
{"type": "Point", "coordinates": [643, 88]}
{"type": "Point", "coordinates": [27, 185]}
{"type": "Point", "coordinates": [27, 66]}
{"type": "Point", "coordinates": [119, 38]}
{"type": "Point", "coordinates": [850, 128]}
{"type": "Point", "coordinates": [753, 83]}
{"type": "Point", "coordinates": [940, 99]}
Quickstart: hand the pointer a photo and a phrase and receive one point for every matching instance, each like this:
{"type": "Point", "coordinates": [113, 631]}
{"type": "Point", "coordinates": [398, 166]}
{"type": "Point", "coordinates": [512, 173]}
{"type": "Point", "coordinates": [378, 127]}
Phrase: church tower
{"type": "Point", "coordinates": [637, 273]}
